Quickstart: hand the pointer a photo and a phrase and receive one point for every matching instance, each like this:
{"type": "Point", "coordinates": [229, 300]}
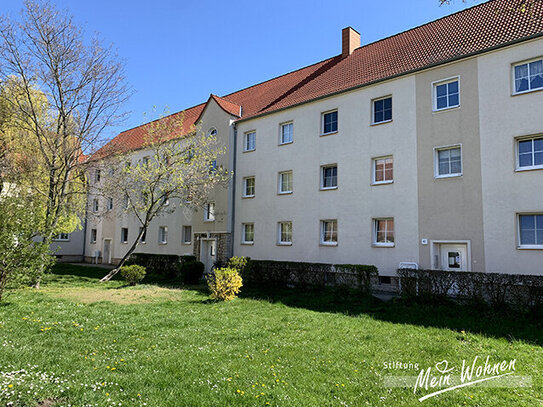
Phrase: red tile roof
{"type": "Point", "coordinates": [477, 29]}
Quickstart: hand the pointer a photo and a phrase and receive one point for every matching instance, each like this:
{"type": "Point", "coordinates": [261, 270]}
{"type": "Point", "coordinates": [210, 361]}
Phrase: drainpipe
{"type": "Point", "coordinates": [233, 151]}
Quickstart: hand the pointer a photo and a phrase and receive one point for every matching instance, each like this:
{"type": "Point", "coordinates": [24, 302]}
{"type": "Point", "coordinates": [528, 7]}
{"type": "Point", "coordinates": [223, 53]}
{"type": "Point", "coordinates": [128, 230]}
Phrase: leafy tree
{"type": "Point", "coordinates": [22, 257]}
{"type": "Point", "coordinates": [177, 171]}
{"type": "Point", "coordinates": [60, 93]}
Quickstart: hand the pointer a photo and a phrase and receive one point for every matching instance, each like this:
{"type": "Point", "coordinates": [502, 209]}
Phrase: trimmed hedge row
{"type": "Point", "coordinates": [283, 273]}
{"type": "Point", "coordinates": [166, 265]}
{"type": "Point", "coordinates": [498, 290]}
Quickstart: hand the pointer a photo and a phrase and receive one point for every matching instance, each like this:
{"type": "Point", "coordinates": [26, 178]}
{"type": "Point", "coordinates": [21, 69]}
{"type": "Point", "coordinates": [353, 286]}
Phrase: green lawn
{"type": "Point", "coordinates": [78, 342]}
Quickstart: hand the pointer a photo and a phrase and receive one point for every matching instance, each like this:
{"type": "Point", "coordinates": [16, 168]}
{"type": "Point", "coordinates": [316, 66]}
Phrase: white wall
{"type": "Point", "coordinates": [355, 202]}
{"type": "Point", "coordinates": [506, 192]}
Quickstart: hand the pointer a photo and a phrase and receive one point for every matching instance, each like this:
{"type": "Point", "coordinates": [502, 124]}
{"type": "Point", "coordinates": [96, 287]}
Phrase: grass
{"type": "Point", "coordinates": [81, 343]}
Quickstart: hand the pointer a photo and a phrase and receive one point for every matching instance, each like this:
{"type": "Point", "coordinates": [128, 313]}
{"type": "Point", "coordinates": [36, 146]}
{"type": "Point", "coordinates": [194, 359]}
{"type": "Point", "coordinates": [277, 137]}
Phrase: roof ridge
{"type": "Point", "coordinates": [161, 118]}
{"type": "Point", "coordinates": [278, 76]}
{"type": "Point", "coordinates": [427, 23]}
{"type": "Point", "coordinates": [325, 67]}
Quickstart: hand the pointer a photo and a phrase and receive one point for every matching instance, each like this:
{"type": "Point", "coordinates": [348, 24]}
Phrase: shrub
{"type": "Point", "coordinates": [242, 264]}
{"type": "Point", "coordinates": [224, 284]}
{"type": "Point", "coordinates": [186, 258]}
{"type": "Point", "coordinates": [133, 274]}
{"type": "Point", "coordinates": [192, 272]}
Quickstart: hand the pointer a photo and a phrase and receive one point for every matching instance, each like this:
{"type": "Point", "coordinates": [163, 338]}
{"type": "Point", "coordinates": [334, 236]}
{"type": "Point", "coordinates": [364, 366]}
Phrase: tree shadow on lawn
{"type": "Point", "coordinates": [444, 314]}
{"type": "Point", "coordinates": [447, 314]}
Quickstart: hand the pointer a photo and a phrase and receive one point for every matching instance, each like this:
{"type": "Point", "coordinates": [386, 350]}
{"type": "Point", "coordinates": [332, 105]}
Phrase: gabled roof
{"type": "Point", "coordinates": [478, 29]}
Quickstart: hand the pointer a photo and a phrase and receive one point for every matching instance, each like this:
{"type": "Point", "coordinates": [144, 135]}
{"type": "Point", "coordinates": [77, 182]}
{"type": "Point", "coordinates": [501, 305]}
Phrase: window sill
{"type": "Point", "coordinates": [209, 220]}
{"type": "Point", "coordinates": [286, 143]}
{"type": "Point", "coordinates": [124, 242]}
{"type": "Point", "coordinates": [249, 151]}
{"type": "Point", "coordinates": [530, 247]}
{"type": "Point", "coordinates": [142, 243]}
{"type": "Point", "coordinates": [379, 123]}
{"type": "Point", "coordinates": [324, 244]}
{"type": "Point", "coordinates": [92, 242]}
{"type": "Point", "coordinates": [284, 244]}
{"type": "Point", "coordinates": [163, 243]}
{"type": "Point", "coordinates": [328, 134]}
{"type": "Point", "coordinates": [327, 188]}
{"type": "Point", "coordinates": [532, 168]}
{"type": "Point", "coordinates": [526, 91]}
{"type": "Point", "coordinates": [247, 243]}
{"type": "Point", "coordinates": [444, 109]}
{"type": "Point", "coordinates": [448, 176]}
{"type": "Point", "coordinates": [187, 243]}
{"type": "Point", "coordinates": [383, 245]}
{"type": "Point", "coordinates": [285, 193]}
{"type": "Point", "coordinates": [247, 196]}
{"type": "Point", "coordinates": [382, 183]}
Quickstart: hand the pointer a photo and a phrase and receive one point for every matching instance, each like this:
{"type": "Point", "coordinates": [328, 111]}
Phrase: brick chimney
{"type": "Point", "coordinates": [350, 40]}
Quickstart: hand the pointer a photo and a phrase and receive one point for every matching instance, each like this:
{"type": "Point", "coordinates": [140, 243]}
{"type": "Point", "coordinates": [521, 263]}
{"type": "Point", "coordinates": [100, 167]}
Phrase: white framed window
{"type": "Point", "coordinates": [247, 233]}
{"type": "Point", "coordinates": [383, 170]}
{"type": "Point", "coordinates": [250, 141]}
{"type": "Point", "coordinates": [62, 237]}
{"type": "Point", "coordinates": [383, 232]}
{"type": "Point", "coordinates": [530, 153]}
{"type": "Point", "coordinates": [212, 132]}
{"type": "Point", "coordinates": [249, 187]}
{"type": "Point", "coordinates": [329, 232]}
{"type": "Point", "coordinates": [382, 110]}
{"type": "Point", "coordinates": [126, 201]}
{"type": "Point", "coordinates": [109, 203]}
{"type": "Point", "coordinates": [143, 237]}
{"type": "Point", "coordinates": [209, 212]}
{"type": "Point", "coordinates": [284, 233]}
{"type": "Point", "coordinates": [163, 234]}
{"type": "Point", "coordinates": [286, 135]}
{"type": "Point", "coordinates": [329, 176]}
{"type": "Point", "coordinates": [95, 205]}
{"type": "Point", "coordinates": [448, 161]}
{"type": "Point", "coordinates": [165, 200]}
{"type": "Point", "coordinates": [446, 94]}
{"type": "Point", "coordinates": [285, 182]}
{"type": "Point", "coordinates": [93, 235]}
{"type": "Point", "coordinates": [528, 76]}
{"type": "Point", "coordinates": [187, 234]}
{"type": "Point", "coordinates": [329, 122]}
{"type": "Point", "coordinates": [124, 235]}
{"type": "Point", "coordinates": [530, 231]}
{"type": "Point", "coordinates": [97, 175]}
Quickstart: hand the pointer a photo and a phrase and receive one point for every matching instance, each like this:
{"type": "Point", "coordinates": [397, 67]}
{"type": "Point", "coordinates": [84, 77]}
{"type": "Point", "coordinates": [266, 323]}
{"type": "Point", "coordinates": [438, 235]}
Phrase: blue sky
{"type": "Point", "coordinates": [178, 52]}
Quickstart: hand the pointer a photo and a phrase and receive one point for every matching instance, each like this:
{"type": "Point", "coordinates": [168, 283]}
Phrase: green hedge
{"type": "Point", "coordinates": [165, 265]}
{"type": "Point", "coordinates": [496, 289]}
{"type": "Point", "coordinates": [284, 273]}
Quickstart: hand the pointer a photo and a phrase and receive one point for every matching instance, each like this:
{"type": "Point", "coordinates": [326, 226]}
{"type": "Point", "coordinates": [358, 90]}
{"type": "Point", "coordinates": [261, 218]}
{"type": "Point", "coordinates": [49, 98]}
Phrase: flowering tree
{"type": "Point", "coordinates": [178, 169]}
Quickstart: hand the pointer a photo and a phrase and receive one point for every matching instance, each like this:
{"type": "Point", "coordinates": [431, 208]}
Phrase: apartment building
{"type": "Point", "coordinates": [425, 147]}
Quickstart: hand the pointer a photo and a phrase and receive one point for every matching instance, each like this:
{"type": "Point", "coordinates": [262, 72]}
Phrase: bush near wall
{"type": "Point", "coordinates": [165, 265]}
{"type": "Point", "coordinates": [283, 273]}
{"type": "Point", "coordinates": [498, 290]}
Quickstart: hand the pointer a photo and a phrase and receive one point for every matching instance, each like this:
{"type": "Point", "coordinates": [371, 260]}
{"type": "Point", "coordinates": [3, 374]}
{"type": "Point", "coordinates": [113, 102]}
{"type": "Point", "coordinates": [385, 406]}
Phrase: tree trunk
{"type": "Point", "coordinates": [116, 270]}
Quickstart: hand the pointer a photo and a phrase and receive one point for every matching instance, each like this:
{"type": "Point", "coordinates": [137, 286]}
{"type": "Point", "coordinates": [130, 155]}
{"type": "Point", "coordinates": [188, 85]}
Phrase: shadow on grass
{"type": "Point", "coordinates": [444, 314]}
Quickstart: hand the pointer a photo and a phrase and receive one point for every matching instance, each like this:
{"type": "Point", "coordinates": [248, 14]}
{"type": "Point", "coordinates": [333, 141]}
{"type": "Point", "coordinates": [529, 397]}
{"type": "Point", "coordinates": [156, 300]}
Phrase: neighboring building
{"type": "Point", "coordinates": [425, 147]}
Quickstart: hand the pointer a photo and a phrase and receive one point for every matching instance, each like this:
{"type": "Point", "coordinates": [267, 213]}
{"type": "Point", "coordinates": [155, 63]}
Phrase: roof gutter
{"type": "Point", "coordinates": [447, 61]}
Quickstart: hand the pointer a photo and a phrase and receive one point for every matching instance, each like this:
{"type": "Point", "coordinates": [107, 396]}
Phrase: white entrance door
{"type": "Point", "coordinates": [106, 258]}
{"type": "Point", "coordinates": [454, 257]}
{"type": "Point", "coordinates": [208, 253]}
